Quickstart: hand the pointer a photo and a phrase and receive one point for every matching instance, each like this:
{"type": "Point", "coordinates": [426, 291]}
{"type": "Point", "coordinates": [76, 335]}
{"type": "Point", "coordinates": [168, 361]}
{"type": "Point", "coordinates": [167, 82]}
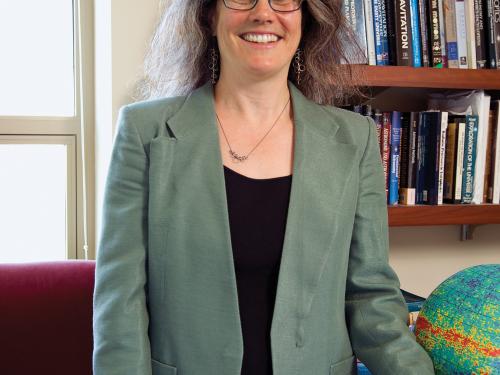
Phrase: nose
{"type": "Point", "coordinates": [262, 12]}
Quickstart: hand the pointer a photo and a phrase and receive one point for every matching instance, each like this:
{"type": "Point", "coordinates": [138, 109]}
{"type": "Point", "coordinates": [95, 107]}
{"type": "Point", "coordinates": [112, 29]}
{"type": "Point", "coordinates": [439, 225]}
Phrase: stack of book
{"type": "Point", "coordinates": [448, 154]}
{"type": "Point", "coordinates": [414, 304]}
{"type": "Point", "coordinates": [429, 33]}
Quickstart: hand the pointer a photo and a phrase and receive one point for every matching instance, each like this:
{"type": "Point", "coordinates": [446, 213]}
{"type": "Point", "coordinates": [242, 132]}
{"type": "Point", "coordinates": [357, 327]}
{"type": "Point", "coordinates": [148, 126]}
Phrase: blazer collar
{"type": "Point", "coordinates": [198, 111]}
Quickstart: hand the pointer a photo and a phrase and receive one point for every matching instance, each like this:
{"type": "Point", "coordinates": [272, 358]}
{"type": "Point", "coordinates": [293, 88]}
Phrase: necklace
{"type": "Point", "coordinates": [234, 155]}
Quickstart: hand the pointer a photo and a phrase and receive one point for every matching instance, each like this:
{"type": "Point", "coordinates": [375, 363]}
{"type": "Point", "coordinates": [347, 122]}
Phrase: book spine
{"type": "Point", "coordinates": [470, 34]}
{"type": "Point", "coordinates": [412, 162]}
{"type": "Point", "coordinates": [442, 36]}
{"type": "Point", "coordinates": [460, 161]}
{"type": "Point", "coordinates": [424, 32]}
{"type": "Point", "coordinates": [434, 35]}
{"type": "Point", "coordinates": [378, 119]}
{"type": "Point", "coordinates": [496, 18]}
{"type": "Point", "coordinates": [489, 159]}
{"type": "Point", "coordinates": [391, 31]}
{"type": "Point", "coordinates": [490, 34]}
{"type": "Point", "coordinates": [403, 34]}
{"type": "Point", "coordinates": [415, 34]}
{"type": "Point", "coordinates": [421, 196]}
{"type": "Point", "coordinates": [496, 162]}
{"type": "Point", "coordinates": [432, 159]}
{"type": "Point", "coordinates": [480, 35]}
{"type": "Point", "coordinates": [469, 158]}
{"type": "Point", "coordinates": [442, 153]}
{"type": "Point", "coordinates": [395, 155]}
{"type": "Point", "coordinates": [370, 39]}
{"type": "Point", "coordinates": [451, 33]}
{"type": "Point", "coordinates": [386, 142]}
{"type": "Point", "coordinates": [450, 162]}
{"type": "Point", "coordinates": [461, 34]}
{"type": "Point", "coordinates": [380, 33]}
{"type": "Point", "coordinates": [354, 13]}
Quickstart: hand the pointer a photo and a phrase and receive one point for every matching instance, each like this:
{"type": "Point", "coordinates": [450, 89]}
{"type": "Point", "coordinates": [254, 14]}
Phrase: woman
{"type": "Point", "coordinates": [211, 260]}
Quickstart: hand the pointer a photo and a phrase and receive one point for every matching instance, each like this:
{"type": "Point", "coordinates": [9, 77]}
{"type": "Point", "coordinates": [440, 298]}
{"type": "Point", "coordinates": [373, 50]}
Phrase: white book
{"type": "Point", "coordinates": [370, 37]}
{"type": "Point", "coordinates": [460, 161]}
{"type": "Point", "coordinates": [470, 33]}
{"type": "Point", "coordinates": [482, 140]}
{"type": "Point", "coordinates": [496, 159]}
{"type": "Point", "coordinates": [461, 34]}
{"type": "Point", "coordinates": [442, 152]}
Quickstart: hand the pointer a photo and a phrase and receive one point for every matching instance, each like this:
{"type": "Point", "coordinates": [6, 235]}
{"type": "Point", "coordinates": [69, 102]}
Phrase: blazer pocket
{"type": "Point", "coordinates": [160, 368]}
{"type": "Point", "coordinates": [344, 367]}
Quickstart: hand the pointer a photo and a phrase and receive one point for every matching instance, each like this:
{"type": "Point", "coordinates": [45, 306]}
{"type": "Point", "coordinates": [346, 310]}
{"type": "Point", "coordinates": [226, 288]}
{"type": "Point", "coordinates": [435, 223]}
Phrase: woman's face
{"type": "Point", "coordinates": [259, 41]}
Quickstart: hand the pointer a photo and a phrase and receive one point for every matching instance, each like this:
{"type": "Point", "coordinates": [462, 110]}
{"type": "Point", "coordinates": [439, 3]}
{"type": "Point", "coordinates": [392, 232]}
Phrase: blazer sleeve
{"type": "Point", "coordinates": [376, 313]}
{"type": "Point", "coordinates": [120, 316]}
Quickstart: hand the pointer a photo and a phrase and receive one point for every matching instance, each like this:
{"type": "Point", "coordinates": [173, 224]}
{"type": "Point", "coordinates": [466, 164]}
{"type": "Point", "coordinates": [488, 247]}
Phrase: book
{"type": "Point", "coordinates": [386, 147]}
{"type": "Point", "coordinates": [470, 33]}
{"type": "Point", "coordinates": [480, 34]}
{"type": "Point", "coordinates": [491, 34]}
{"type": "Point", "coordinates": [451, 33]}
{"type": "Point", "coordinates": [370, 40]}
{"type": "Point", "coordinates": [408, 158]}
{"type": "Point", "coordinates": [394, 158]}
{"type": "Point", "coordinates": [415, 34]}
{"type": "Point", "coordinates": [436, 58]}
{"type": "Point", "coordinates": [494, 196]}
{"type": "Point", "coordinates": [404, 54]}
{"type": "Point", "coordinates": [423, 154]}
{"type": "Point", "coordinates": [380, 32]}
{"type": "Point", "coordinates": [424, 31]}
{"type": "Point", "coordinates": [354, 13]}
{"type": "Point", "coordinates": [461, 26]}
{"type": "Point", "coordinates": [471, 123]}
{"type": "Point", "coordinates": [482, 139]}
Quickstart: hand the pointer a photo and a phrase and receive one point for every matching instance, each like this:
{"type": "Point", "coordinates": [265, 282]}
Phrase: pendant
{"type": "Point", "coordinates": [235, 156]}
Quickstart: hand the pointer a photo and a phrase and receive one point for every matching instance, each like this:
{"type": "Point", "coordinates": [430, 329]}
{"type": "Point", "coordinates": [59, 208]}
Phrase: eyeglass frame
{"type": "Point", "coordinates": [269, 1]}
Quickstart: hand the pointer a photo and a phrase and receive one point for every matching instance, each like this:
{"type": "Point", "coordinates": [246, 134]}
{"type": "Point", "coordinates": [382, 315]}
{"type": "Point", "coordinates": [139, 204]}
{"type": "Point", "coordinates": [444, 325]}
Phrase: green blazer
{"type": "Point", "coordinates": [165, 298]}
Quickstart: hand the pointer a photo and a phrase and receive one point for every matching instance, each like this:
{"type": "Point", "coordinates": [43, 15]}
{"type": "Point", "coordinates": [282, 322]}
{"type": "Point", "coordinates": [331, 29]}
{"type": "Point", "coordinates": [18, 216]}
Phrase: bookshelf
{"type": "Point", "coordinates": [407, 84]}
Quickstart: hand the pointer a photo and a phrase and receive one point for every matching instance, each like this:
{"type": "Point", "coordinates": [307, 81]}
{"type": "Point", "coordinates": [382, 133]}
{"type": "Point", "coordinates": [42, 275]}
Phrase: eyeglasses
{"type": "Point", "coordinates": [276, 5]}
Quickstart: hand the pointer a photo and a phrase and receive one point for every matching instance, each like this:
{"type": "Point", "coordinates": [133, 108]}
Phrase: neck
{"type": "Point", "coordinates": [255, 102]}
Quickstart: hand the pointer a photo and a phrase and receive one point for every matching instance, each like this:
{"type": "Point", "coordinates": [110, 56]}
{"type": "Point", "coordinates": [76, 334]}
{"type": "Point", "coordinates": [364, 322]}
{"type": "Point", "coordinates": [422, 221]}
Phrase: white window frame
{"type": "Point", "coordinates": [67, 131]}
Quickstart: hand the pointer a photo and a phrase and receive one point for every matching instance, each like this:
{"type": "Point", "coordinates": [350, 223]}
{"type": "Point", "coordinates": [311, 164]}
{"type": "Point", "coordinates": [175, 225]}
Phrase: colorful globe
{"type": "Point", "coordinates": [459, 323]}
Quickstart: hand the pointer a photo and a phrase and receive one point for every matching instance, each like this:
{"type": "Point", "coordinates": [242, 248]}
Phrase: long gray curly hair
{"type": "Point", "coordinates": [177, 59]}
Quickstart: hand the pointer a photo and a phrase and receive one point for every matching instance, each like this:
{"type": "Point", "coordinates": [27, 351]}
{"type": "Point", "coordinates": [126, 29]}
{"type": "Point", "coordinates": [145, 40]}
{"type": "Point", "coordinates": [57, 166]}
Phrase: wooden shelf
{"type": "Point", "coordinates": [445, 214]}
{"type": "Point", "coordinates": [442, 78]}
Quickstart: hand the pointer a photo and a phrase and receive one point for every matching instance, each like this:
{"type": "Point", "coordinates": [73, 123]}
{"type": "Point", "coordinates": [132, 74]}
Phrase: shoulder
{"type": "Point", "coordinates": [353, 127]}
{"type": "Point", "coordinates": [149, 116]}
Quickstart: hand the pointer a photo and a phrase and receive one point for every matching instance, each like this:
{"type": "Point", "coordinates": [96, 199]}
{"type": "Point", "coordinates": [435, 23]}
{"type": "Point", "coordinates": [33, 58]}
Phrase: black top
{"type": "Point", "coordinates": [257, 216]}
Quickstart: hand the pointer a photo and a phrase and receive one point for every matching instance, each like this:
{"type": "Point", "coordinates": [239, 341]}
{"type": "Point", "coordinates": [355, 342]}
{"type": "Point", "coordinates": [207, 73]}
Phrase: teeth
{"type": "Point", "coordinates": [260, 38]}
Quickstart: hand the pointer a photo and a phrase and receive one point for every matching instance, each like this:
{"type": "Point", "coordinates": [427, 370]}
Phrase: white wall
{"type": "Point", "coordinates": [422, 256]}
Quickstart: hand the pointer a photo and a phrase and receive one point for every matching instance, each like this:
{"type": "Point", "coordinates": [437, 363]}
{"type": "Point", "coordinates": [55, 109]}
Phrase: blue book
{"type": "Point", "coordinates": [470, 146]}
{"type": "Point", "coordinates": [415, 34]}
{"type": "Point", "coordinates": [380, 32]}
{"type": "Point", "coordinates": [394, 158]}
{"type": "Point", "coordinates": [363, 370]}
{"type": "Point", "coordinates": [413, 302]}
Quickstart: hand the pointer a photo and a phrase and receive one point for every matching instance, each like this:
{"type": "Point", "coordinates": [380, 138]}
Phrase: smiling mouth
{"type": "Point", "coordinates": [260, 38]}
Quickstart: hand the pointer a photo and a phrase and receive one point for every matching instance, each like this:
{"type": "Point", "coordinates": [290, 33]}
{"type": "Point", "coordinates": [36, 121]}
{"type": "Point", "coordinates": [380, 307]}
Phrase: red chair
{"type": "Point", "coordinates": [46, 318]}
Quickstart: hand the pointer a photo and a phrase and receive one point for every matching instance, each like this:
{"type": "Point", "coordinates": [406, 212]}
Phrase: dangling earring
{"type": "Point", "coordinates": [213, 63]}
{"type": "Point", "coordinates": [298, 64]}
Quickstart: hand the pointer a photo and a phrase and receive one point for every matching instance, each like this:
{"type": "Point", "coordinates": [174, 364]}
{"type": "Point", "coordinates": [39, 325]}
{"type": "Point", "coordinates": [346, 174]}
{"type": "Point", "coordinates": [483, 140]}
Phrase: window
{"type": "Point", "coordinates": [42, 189]}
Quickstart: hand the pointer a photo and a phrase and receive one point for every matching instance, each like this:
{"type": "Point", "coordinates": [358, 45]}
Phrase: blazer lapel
{"type": "Point", "coordinates": [321, 165]}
